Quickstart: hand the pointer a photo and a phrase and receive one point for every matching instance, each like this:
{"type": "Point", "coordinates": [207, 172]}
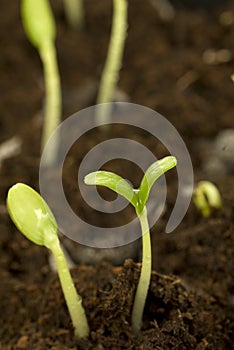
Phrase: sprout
{"type": "Point", "coordinates": [138, 198]}
{"type": "Point", "coordinates": [74, 11]}
{"type": "Point", "coordinates": [38, 22]}
{"type": "Point", "coordinates": [113, 61]}
{"type": "Point", "coordinates": [206, 197]}
{"type": "Point", "coordinates": [34, 219]}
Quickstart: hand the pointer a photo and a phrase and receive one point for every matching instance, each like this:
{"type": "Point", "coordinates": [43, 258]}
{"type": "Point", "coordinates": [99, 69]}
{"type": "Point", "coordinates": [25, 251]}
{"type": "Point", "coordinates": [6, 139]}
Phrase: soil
{"type": "Point", "coordinates": [190, 304]}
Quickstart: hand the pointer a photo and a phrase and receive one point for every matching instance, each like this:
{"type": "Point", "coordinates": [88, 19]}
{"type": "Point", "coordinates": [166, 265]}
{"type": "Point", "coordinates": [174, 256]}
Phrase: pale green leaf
{"type": "Point", "coordinates": [38, 21]}
{"type": "Point", "coordinates": [114, 182]}
{"type": "Point", "coordinates": [154, 171]}
{"type": "Point", "coordinates": [31, 214]}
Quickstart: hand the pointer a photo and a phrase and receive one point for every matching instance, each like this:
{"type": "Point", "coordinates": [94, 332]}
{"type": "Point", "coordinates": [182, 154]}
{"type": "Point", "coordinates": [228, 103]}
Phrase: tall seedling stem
{"type": "Point", "coordinates": [113, 62]}
{"type": "Point", "coordinates": [39, 25]}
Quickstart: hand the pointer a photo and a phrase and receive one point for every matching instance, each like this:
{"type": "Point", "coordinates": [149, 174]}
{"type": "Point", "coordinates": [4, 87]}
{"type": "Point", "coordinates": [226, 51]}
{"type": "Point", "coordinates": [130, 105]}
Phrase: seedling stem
{"type": "Point", "coordinates": [73, 300]}
{"type": "Point", "coordinates": [74, 11]}
{"type": "Point", "coordinates": [34, 220]}
{"type": "Point", "coordinates": [138, 198]}
{"type": "Point", "coordinates": [39, 25]}
{"type": "Point", "coordinates": [53, 97]}
{"type": "Point", "coordinates": [113, 62]}
{"type": "Point", "coordinates": [144, 280]}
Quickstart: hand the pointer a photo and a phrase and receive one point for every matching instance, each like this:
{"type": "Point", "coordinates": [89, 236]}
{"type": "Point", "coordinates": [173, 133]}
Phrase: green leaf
{"type": "Point", "coordinates": [113, 181]}
{"type": "Point", "coordinates": [31, 214]}
{"type": "Point", "coordinates": [38, 21]}
{"type": "Point", "coordinates": [154, 171]}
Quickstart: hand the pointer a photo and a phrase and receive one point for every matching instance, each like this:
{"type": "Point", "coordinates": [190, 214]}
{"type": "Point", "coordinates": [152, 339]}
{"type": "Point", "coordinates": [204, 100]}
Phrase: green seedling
{"type": "Point", "coordinates": [74, 12]}
{"type": "Point", "coordinates": [39, 25]}
{"type": "Point", "coordinates": [113, 62]}
{"type": "Point", "coordinates": [138, 198]}
{"type": "Point", "coordinates": [33, 218]}
{"type": "Point", "coordinates": [206, 197]}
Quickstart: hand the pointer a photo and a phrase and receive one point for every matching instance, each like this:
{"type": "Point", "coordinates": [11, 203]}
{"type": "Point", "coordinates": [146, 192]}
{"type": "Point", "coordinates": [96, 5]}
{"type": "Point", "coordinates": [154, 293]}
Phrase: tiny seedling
{"type": "Point", "coordinates": [138, 198]}
{"type": "Point", "coordinates": [206, 197]}
{"type": "Point", "coordinates": [113, 62]}
{"type": "Point", "coordinates": [33, 218]}
{"type": "Point", "coordinates": [74, 12]}
{"type": "Point", "coordinates": [39, 25]}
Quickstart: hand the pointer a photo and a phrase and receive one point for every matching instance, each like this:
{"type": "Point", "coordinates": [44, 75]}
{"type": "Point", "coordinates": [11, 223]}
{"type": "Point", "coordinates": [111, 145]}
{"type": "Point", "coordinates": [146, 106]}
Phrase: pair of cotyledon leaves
{"type": "Point", "coordinates": [34, 219]}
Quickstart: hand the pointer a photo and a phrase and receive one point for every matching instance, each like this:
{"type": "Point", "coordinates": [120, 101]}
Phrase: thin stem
{"type": "Point", "coordinates": [113, 62]}
{"type": "Point", "coordinates": [53, 98]}
{"type": "Point", "coordinates": [144, 280]}
{"type": "Point", "coordinates": [74, 11]}
{"type": "Point", "coordinates": [73, 299]}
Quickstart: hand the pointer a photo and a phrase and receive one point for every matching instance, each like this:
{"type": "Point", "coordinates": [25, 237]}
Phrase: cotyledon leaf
{"type": "Point", "coordinates": [31, 214]}
{"type": "Point", "coordinates": [113, 182]}
{"type": "Point", "coordinates": [154, 171]}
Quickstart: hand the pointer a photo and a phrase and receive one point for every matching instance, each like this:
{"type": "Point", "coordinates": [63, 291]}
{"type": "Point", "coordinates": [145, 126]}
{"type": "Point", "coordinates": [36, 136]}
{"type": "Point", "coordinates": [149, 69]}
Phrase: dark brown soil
{"type": "Point", "coordinates": [194, 307]}
{"type": "Point", "coordinates": [175, 316]}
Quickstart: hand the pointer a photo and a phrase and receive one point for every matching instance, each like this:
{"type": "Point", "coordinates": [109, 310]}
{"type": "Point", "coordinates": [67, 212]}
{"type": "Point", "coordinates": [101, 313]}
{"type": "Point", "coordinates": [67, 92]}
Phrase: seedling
{"type": "Point", "coordinates": [206, 197]}
{"type": "Point", "coordinates": [39, 25]}
{"type": "Point", "coordinates": [113, 62]}
{"type": "Point", "coordinates": [74, 12]}
{"type": "Point", "coordinates": [138, 198]}
{"type": "Point", "coordinates": [34, 220]}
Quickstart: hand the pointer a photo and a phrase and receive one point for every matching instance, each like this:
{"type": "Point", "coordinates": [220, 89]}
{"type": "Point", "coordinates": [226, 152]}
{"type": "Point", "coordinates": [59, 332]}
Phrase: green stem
{"type": "Point", "coordinates": [74, 11]}
{"type": "Point", "coordinates": [114, 59]}
{"type": "Point", "coordinates": [73, 299]}
{"type": "Point", "coordinates": [53, 98]}
{"type": "Point", "coordinates": [144, 281]}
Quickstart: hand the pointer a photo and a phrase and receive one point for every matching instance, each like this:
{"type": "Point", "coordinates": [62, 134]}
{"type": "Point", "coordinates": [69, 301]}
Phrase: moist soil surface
{"type": "Point", "coordinates": [168, 67]}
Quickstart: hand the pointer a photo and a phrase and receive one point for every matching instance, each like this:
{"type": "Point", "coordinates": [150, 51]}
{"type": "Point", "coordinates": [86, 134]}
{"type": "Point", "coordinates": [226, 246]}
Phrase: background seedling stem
{"type": "Point", "coordinates": [53, 95]}
{"type": "Point", "coordinates": [39, 25]}
{"type": "Point", "coordinates": [74, 12]}
{"type": "Point", "coordinates": [113, 62]}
